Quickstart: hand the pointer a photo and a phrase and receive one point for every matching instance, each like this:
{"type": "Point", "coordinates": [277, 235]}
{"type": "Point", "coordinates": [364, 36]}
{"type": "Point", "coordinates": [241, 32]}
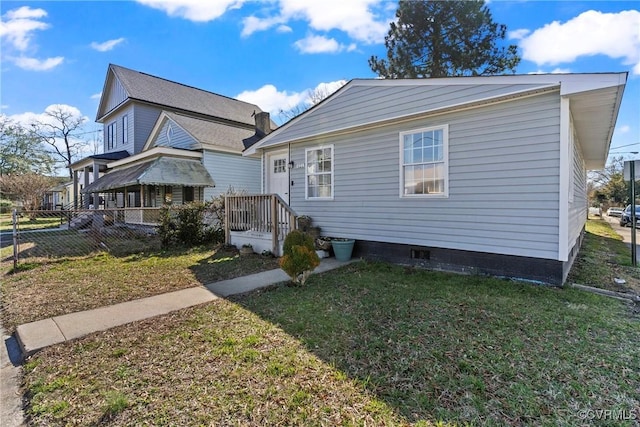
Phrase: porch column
{"type": "Point", "coordinates": [96, 175]}
{"type": "Point", "coordinates": [75, 189]}
{"type": "Point", "coordinates": [86, 200]}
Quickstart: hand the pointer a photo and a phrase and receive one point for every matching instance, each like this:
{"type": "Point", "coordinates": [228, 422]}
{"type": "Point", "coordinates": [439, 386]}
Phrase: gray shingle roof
{"type": "Point", "coordinates": [145, 87]}
{"type": "Point", "coordinates": [212, 134]}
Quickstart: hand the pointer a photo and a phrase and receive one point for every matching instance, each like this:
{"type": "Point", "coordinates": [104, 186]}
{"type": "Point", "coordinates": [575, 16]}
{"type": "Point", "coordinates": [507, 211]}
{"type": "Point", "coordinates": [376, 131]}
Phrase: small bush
{"type": "Point", "coordinates": [5, 205]}
{"type": "Point", "coordinates": [299, 263]}
{"type": "Point", "coordinates": [190, 224]}
{"type": "Point", "coordinates": [184, 224]}
{"type": "Point", "coordinates": [297, 238]}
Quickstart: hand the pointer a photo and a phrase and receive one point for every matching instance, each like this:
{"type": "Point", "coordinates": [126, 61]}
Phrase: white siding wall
{"type": "Point", "coordinates": [578, 203]}
{"type": "Point", "coordinates": [503, 183]}
{"type": "Point", "coordinates": [230, 170]}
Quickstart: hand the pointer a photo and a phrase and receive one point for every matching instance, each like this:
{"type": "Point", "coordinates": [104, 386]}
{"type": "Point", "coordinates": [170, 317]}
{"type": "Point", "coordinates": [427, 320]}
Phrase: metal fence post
{"type": "Point", "coordinates": [14, 220]}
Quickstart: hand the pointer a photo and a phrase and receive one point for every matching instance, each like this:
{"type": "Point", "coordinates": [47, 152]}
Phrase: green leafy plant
{"type": "Point", "coordinates": [299, 264]}
{"type": "Point", "coordinates": [296, 238]}
{"type": "Point", "coordinates": [300, 257]}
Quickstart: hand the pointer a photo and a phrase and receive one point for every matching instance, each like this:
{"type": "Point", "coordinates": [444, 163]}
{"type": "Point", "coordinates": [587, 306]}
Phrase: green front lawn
{"type": "Point", "coordinates": [369, 344]}
{"type": "Point", "coordinates": [604, 257]}
{"type": "Point", "coordinates": [43, 221]}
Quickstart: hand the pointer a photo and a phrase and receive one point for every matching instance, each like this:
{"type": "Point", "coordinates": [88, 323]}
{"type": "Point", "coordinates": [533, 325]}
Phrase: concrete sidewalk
{"type": "Point", "coordinates": [37, 335]}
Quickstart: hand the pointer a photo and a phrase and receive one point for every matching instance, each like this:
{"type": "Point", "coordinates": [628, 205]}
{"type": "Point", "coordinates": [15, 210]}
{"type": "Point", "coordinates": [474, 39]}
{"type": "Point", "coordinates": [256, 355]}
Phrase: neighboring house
{"type": "Point", "coordinates": [165, 142]}
{"type": "Point", "coordinates": [476, 174]}
{"type": "Point", "coordinates": [58, 197]}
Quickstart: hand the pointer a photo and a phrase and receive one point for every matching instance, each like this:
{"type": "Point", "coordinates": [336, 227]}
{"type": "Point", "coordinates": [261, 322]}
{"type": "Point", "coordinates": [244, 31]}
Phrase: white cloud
{"type": "Point", "coordinates": [96, 95]}
{"type": "Point", "coordinates": [622, 129]}
{"type": "Point", "coordinates": [284, 29]}
{"type": "Point", "coordinates": [35, 64]}
{"type": "Point", "coordinates": [106, 46]}
{"type": "Point", "coordinates": [26, 119]}
{"type": "Point", "coordinates": [17, 28]}
{"type": "Point", "coordinates": [356, 18]}
{"type": "Point", "coordinates": [270, 99]}
{"type": "Point", "coordinates": [194, 10]}
{"type": "Point", "coordinates": [321, 44]}
{"type": "Point", "coordinates": [519, 34]}
{"type": "Point", "coordinates": [554, 71]}
{"type": "Point", "coordinates": [616, 35]}
{"type": "Point", "coordinates": [18, 25]}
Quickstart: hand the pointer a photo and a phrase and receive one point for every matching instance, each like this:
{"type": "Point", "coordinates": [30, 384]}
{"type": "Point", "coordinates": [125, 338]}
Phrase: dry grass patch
{"type": "Point", "coordinates": [72, 284]}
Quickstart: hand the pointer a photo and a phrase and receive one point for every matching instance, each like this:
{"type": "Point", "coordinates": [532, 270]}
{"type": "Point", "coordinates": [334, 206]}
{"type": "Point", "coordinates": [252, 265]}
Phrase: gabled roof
{"type": "Point", "coordinates": [361, 104]}
{"type": "Point", "coordinates": [144, 87]}
{"type": "Point", "coordinates": [210, 134]}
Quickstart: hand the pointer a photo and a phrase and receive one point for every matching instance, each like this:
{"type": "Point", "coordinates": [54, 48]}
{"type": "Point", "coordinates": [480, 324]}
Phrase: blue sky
{"type": "Point", "coordinates": [273, 52]}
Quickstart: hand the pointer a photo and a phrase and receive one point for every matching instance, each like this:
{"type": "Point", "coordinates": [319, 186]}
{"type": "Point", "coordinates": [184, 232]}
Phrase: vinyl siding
{"type": "Point", "coordinates": [503, 183]}
{"type": "Point", "coordinates": [231, 171]}
{"type": "Point", "coordinates": [361, 104]}
{"type": "Point", "coordinates": [145, 118]}
{"type": "Point", "coordinates": [116, 94]}
{"type": "Point", "coordinates": [578, 204]}
{"type": "Point", "coordinates": [116, 117]}
{"type": "Point", "coordinates": [179, 138]}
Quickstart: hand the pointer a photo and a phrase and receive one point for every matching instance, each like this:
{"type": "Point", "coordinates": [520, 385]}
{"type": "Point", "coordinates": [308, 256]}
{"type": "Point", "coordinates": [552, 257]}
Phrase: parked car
{"type": "Point", "coordinates": [615, 212]}
{"type": "Point", "coordinates": [625, 219]}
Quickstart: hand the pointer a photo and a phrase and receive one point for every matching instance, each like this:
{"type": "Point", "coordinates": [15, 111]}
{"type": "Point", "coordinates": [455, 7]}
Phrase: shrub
{"type": "Point", "coordinates": [5, 205]}
{"type": "Point", "coordinates": [184, 224]}
{"type": "Point", "coordinates": [166, 227]}
{"type": "Point", "coordinates": [190, 224]}
{"type": "Point", "coordinates": [297, 238]}
{"type": "Point", "coordinates": [299, 263]}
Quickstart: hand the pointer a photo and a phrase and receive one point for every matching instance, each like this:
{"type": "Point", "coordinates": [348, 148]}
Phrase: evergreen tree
{"type": "Point", "coordinates": [445, 38]}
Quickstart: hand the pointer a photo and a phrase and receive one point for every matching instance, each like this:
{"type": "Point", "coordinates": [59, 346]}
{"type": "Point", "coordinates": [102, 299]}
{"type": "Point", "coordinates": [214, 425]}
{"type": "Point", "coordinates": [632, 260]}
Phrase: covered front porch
{"type": "Point", "coordinates": [138, 191]}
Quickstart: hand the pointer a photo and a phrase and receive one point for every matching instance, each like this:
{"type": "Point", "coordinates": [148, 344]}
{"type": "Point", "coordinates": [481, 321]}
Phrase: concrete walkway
{"type": "Point", "coordinates": [34, 336]}
{"type": "Point", "coordinates": [37, 335]}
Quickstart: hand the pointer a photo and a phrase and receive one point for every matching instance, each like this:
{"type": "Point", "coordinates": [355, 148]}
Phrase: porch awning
{"type": "Point", "coordinates": [162, 171]}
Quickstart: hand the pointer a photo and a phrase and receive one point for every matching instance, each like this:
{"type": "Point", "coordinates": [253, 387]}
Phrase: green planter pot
{"type": "Point", "coordinates": [342, 249]}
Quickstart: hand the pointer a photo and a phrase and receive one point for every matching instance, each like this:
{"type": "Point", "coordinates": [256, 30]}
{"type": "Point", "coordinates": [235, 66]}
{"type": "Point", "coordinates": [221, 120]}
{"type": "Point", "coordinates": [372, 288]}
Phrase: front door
{"type": "Point", "coordinates": [278, 174]}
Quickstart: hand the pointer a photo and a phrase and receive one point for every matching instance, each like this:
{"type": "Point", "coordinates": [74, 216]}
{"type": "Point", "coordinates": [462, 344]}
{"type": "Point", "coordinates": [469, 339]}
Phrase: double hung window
{"type": "Point", "coordinates": [423, 158]}
{"type": "Point", "coordinates": [319, 172]}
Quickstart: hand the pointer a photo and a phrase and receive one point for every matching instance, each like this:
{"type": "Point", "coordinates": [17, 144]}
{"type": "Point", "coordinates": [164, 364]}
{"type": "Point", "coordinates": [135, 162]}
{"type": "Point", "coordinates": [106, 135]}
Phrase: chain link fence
{"type": "Point", "coordinates": [36, 236]}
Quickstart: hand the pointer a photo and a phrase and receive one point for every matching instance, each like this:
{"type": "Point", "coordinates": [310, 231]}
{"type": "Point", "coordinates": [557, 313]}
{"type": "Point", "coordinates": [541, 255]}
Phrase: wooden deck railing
{"type": "Point", "coordinates": [265, 213]}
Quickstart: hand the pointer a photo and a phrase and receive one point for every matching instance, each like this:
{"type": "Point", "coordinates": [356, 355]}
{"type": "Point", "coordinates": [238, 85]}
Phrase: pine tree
{"type": "Point", "coordinates": [445, 38]}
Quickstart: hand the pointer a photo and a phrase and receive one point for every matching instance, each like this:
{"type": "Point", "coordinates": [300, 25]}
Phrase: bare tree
{"type": "Point", "coordinates": [61, 132]}
{"type": "Point", "coordinates": [28, 188]}
{"type": "Point", "coordinates": [314, 96]}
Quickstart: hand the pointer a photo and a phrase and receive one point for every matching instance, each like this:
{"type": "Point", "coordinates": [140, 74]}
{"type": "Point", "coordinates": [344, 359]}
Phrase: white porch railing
{"type": "Point", "coordinates": [263, 213]}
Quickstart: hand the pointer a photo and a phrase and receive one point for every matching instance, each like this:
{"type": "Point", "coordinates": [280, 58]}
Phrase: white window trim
{"type": "Point", "coordinates": [445, 157]}
{"type": "Point", "coordinates": [112, 130]}
{"type": "Point", "coordinates": [306, 175]}
{"type": "Point", "coordinates": [125, 129]}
